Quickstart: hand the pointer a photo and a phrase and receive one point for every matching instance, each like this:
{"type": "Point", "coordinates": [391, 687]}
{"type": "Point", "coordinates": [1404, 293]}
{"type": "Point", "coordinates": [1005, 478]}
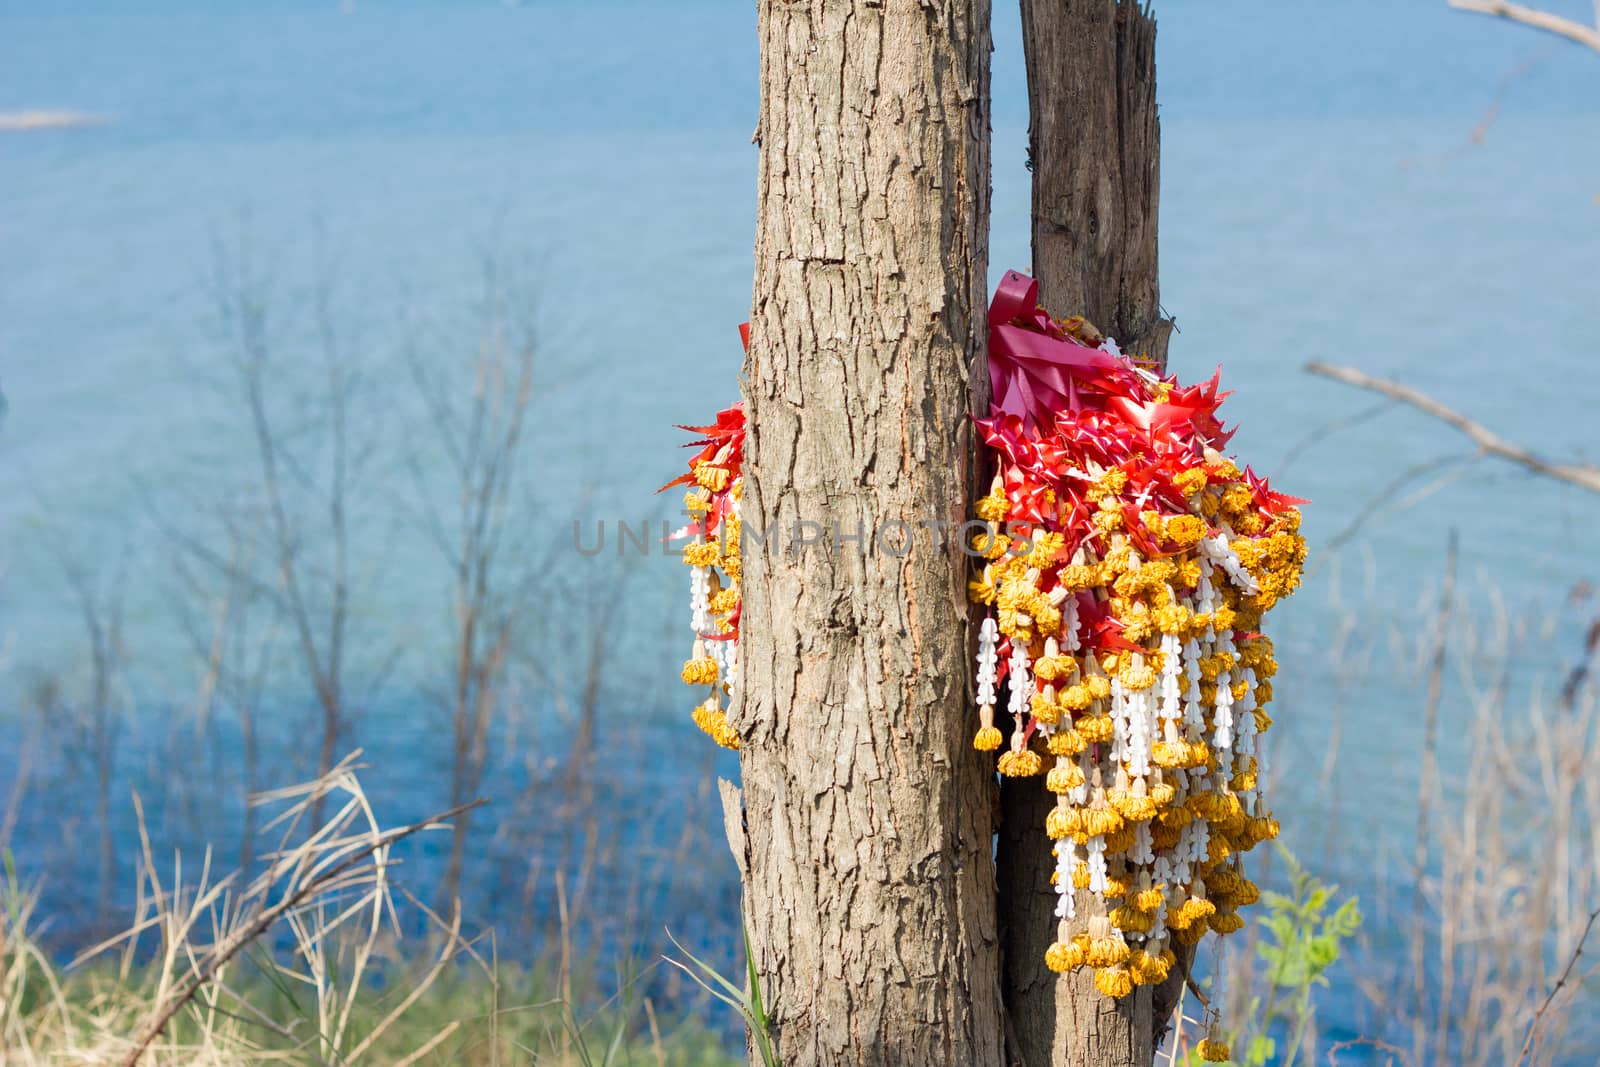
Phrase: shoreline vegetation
{"type": "Point", "coordinates": [32, 121]}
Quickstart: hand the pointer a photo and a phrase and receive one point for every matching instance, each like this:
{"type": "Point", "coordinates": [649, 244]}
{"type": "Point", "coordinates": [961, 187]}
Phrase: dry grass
{"type": "Point", "coordinates": [306, 963]}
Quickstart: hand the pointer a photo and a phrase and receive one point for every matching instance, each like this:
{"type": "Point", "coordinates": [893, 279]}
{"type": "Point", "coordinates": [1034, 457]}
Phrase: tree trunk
{"type": "Point", "coordinates": [1094, 142]}
{"type": "Point", "coordinates": [867, 829]}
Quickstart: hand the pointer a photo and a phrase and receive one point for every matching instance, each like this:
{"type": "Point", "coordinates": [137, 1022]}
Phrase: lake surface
{"type": "Point", "coordinates": [1322, 199]}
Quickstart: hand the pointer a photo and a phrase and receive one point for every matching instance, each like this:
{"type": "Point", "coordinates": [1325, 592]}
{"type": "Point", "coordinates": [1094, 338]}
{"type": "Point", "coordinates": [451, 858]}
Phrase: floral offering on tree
{"type": "Point", "coordinates": [1126, 569]}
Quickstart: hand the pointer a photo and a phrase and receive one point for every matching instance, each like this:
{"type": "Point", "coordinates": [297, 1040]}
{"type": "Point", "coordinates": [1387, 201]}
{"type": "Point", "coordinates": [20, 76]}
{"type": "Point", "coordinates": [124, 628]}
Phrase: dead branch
{"type": "Point", "coordinates": [1571, 29]}
{"type": "Point", "coordinates": [1583, 475]}
{"type": "Point", "coordinates": [1572, 961]}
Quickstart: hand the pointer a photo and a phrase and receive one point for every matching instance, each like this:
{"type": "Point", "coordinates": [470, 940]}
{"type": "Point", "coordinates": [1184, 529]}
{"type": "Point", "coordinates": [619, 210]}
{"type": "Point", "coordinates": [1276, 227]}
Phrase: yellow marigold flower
{"type": "Point", "coordinates": [701, 554]}
{"type": "Point", "coordinates": [1114, 982]}
{"type": "Point", "coordinates": [725, 601]}
{"type": "Point", "coordinates": [1218, 848]}
{"type": "Point", "coordinates": [1022, 764]}
{"type": "Point", "coordinates": [1192, 910]}
{"type": "Point", "coordinates": [1215, 1050]}
{"type": "Point", "coordinates": [1112, 481]}
{"type": "Point", "coordinates": [987, 740]}
{"type": "Point", "coordinates": [1176, 817]}
{"type": "Point", "coordinates": [1064, 777]}
{"type": "Point", "coordinates": [1066, 742]}
{"type": "Point", "coordinates": [990, 545]}
{"type": "Point", "coordinates": [1132, 807]}
{"type": "Point", "coordinates": [1047, 616]}
{"type": "Point", "coordinates": [1174, 619]}
{"type": "Point", "coordinates": [1045, 710]}
{"type": "Point", "coordinates": [1100, 822]}
{"type": "Point", "coordinates": [696, 501]}
{"type": "Point", "coordinates": [1132, 920]}
{"type": "Point", "coordinates": [1185, 530]}
{"type": "Point", "coordinates": [1191, 481]}
{"type": "Point", "coordinates": [1077, 576]}
{"type": "Point", "coordinates": [1237, 499]}
{"type": "Point", "coordinates": [1225, 470]}
{"type": "Point", "coordinates": [1075, 697]}
{"type": "Point", "coordinates": [1120, 840]}
{"type": "Point", "coordinates": [737, 492]}
{"type": "Point", "coordinates": [1221, 883]}
{"type": "Point", "coordinates": [1247, 893]}
{"type": "Point", "coordinates": [1107, 521]}
{"type": "Point", "coordinates": [1149, 899]}
{"type": "Point", "coordinates": [1080, 876]}
{"type": "Point", "coordinates": [1147, 969]}
{"type": "Point", "coordinates": [1096, 729]}
{"type": "Point", "coordinates": [1163, 793]}
{"type": "Point", "coordinates": [1062, 822]}
{"type": "Point", "coordinates": [1226, 922]}
{"type": "Point", "coordinates": [1106, 951]}
{"type": "Point", "coordinates": [1046, 547]}
{"type": "Point", "coordinates": [1191, 935]}
{"type": "Point", "coordinates": [1063, 957]}
{"type": "Point", "coordinates": [1137, 678]}
{"type": "Point", "coordinates": [714, 721]}
{"type": "Point", "coordinates": [981, 591]}
{"type": "Point", "coordinates": [701, 670]}
{"type": "Point", "coordinates": [711, 476]}
{"type": "Point", "coordinates": [1174, 755]}
{"type": "Point", "coordinates": [1263, 696]}
{"type": "Point", "coordinates": [992, 508]}
{"type": "Point", "coordinates": [1213, 807]}
{"type": "Point", "coordinates": [1163, 836]}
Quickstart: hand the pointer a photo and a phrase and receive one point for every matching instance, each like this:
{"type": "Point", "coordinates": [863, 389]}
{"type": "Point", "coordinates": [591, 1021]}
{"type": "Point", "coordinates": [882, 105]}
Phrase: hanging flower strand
{"type": "Point", "coordinates": [716, 485]}
{"type": "Point", "coordinates": [1125, 602]}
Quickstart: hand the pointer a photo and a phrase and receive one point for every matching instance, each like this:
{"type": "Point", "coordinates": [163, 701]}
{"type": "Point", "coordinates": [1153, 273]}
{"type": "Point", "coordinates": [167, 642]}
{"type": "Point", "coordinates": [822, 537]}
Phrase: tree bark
{"type": "Point", "coordinates": [868, 819]}
{"type": "Point", "coordinates": [1094, 143]}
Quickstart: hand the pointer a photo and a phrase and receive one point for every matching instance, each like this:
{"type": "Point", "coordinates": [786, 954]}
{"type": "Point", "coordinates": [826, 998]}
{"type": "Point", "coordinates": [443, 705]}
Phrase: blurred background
{"type": "Point", "coordinates": [331, 333]}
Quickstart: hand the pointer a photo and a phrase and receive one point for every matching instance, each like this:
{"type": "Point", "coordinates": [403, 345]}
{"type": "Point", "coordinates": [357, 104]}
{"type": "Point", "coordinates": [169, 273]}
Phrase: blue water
{"type": "Point", "coordinates": [1321, 200]}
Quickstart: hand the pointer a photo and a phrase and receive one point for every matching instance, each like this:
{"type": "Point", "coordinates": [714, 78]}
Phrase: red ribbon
{"type": "Point", "coordinates": [1035, 371]}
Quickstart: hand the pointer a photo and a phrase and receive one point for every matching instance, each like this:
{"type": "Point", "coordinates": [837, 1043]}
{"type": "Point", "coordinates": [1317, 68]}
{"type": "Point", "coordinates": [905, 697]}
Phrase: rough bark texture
{"type": "Point", "coordinates": [1094, 141]}
{"type": "Point", "coordinates": [866, 844]}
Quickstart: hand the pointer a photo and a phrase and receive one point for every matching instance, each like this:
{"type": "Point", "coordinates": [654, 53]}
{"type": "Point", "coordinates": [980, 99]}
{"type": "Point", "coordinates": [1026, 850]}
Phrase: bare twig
{"type": "Point", "coordinates": [1425, 788]}
{"type": "Point", "coordinates": [206, 968]}
{"type": "Point", "coordinates": [1566, 973]}
{"type": "Point", "coordinates": [1571, 29]}
{"type": "Point", "coordinates": [1583, 475]}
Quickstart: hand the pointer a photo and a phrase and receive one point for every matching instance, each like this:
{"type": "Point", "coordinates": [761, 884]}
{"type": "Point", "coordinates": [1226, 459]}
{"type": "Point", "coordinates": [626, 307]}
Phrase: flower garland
{"type": "Point", "coordinates": [716, 486]}
{"type": "Point", "coordinates": [1126, 564]}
